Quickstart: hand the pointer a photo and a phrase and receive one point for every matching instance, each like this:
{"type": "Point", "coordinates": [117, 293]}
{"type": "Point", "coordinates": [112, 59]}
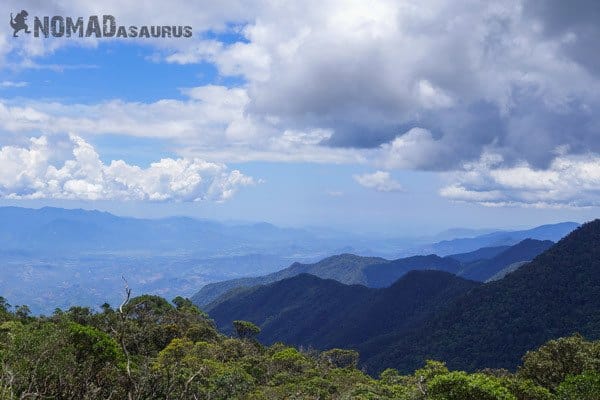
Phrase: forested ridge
{"type": "Point", "coordinates": [153, 349]}
{"type": "Point", "coordinates": [516, 338]}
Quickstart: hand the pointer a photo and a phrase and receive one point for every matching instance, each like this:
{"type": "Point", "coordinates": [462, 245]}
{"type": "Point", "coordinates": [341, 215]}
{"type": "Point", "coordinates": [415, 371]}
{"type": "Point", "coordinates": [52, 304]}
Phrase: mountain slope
{"type": "Point", "coordinates": [552, 232]}
{"type": "Point", "coordinates": [349, 269]}
{"type": "Point", "coordinates": [506, 270]}
{"type": "Point", "coordinates": [556, 294]}
{"type": "Point", "coordinates": [309, 311]}
{"type": "Point", "coordinates": [382, 275]}
{"type": "Point", "coordinates": [525, 250]}
{"type": "Point", "coordinates": [376, 272]}
{"type": "Point", "coordinates": [484, 253]}
{"type": "Point", "coordinates": [345, 268]}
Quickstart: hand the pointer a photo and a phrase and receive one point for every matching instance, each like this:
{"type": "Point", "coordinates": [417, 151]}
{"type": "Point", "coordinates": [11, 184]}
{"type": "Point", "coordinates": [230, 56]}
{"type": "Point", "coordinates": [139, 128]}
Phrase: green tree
{"type": "Point", "coordinates": [585, 386]}
{"type": "Point", "coordinates": [340, 358]}
{"type": "Point", "coordinates": [246, 329]}
{"type": "Point", "coordinates": [459, 385]}
{"type": "Point", "coordinates": [549, 365]}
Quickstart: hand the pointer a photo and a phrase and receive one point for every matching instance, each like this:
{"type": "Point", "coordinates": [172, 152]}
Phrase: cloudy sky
{"type": "Point", "coordinates": [393, 116]}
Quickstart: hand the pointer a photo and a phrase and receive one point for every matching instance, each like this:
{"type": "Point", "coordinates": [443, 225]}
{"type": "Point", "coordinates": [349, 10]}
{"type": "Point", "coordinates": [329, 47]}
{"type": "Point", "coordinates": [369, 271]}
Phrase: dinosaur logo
{"type": "Point", "coordinates": [18, 22]}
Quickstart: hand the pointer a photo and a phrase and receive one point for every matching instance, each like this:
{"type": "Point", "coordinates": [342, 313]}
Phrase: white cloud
{"type": "Point", "coordinates": [414, 149]}
{"type": "Point", "coordinates": [569, 181]}
{"type": "Point", "coordinates": [211, 114]}
{"type": "Point", "coordinates": [417, 84]}
{"type": "Point", "coordinates": [12, 84]}
{"type": "Point", "coordinates": [381, 181]}
{"type": "Point", "coordinates": [211, 123]}
{"type": "Point", "coordinates": [72, 169]}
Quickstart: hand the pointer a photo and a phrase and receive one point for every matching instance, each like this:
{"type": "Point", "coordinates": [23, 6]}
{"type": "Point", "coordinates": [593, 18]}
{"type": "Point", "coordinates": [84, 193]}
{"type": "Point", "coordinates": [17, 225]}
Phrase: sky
{"type": "Point", "coordinates": [395, 117]}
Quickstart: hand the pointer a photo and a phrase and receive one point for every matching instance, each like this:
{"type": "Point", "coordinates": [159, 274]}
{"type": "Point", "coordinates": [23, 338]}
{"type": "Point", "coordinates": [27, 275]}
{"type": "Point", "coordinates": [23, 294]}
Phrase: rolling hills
{"type": "Point", "coordinates": [309, 311]}
{"type": "Point", "coordinates": [435, 315]}
{"type": "Point", "coordinates": [377, 272]}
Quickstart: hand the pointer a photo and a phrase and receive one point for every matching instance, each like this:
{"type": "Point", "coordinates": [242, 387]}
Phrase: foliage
{"type": "Point", "coordinates": [554, 361]}
{"type": "Point", "coordinates": [585, 386]}
{"type": "Point", "coordinates": [493, 325]}
{"type": "Point", "coordinates": [154, 350]}
{"type": "Point", "coordinates": [459, 385]}
{"type": "Point", "coordinates": [340, 358]}
{"type": "Point", "coordinates": [246, 329]}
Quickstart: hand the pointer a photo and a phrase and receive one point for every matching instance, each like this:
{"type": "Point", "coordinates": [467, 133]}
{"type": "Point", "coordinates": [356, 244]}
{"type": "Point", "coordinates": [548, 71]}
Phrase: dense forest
{"type": "Point", "coordinates": [149, 348]}
{"type": "Point", "coordinates": [447, 338]}
{"type": "Point", "coordinates": [350, 269]}
{"type": "Point", "coordinates": [434, 314]}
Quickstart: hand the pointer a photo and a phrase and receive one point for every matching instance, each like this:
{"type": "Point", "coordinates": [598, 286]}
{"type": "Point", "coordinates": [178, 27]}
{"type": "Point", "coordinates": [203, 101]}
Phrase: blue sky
{"type": "Point", "coordinates": [386, 119]}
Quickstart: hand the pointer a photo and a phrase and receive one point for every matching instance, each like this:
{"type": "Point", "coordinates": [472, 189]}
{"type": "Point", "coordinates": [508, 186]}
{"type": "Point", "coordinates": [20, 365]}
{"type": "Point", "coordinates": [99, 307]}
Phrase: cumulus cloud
{"type": "Point", "coordinates": [72, 169]}
{"type": "Point", "coordinates": [381, 181]}
{"type": "Point", "coordinates": [211, 123]}
{"type": "Point", "coordinates": [478, 76]}
{"type": "Point", "coordinates": [427, 84]}
{"type": "Point", "coordinates": [571, 181]}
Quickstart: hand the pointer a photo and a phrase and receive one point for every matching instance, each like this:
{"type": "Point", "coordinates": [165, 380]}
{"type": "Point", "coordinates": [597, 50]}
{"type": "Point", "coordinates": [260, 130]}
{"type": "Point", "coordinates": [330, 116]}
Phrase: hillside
{"type": "Point", "coordinates": [55, 257]}
{"type": "Point", "coordinates": [556, 294]}
{"type": "Point", "coordinates": [435, 315]}
{"type": "Point", "coordinates": [376, 272]}
{"type": "Point", "coordinates": [154, 349]}
{"type": "Point", "coordinates": [525, 250]}
{"type": "Point", "coordinates": [308, 311]}
{"type": "Point", "coordinates": [553, 232]}
{"type": "Point", "coordinates": [383, 275]}
{"type": "Point", "coordinates": [483, 253]}
{"type": "Point", "coordinates": [345, 268]}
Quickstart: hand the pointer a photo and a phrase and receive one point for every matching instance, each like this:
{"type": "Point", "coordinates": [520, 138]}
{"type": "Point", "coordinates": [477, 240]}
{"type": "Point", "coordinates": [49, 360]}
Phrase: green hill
{"type": "Point", "coordinates": [309, 311]}
{"type": "Point", "coordinates": [556, 294]}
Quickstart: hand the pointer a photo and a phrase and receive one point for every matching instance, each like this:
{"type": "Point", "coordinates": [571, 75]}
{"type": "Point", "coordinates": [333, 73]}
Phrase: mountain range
{"type": "Point", "coordinates": [434, 314]}
{"type": "Point", "coordinates": [54, 257]}
{"type": "Point", "coordinates": [376, 272]}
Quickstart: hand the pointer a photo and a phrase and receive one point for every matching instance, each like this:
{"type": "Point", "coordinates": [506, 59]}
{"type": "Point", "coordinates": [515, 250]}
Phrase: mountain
{"type": "Point", "coordinates": [55, 230]}
{"type": "Point", "coordinates": [54, 257]}
{"type": "Point", "coordinates": [506, 270]}
{"type": "Point", "coordinates": [480, 254]}
{"type": "Point", "coordinates": [434, 314]}
{"type": "Point", "coordinates": [556, 294]}
{"type": "Point", "coordinates": [309, 311]}
{"type": "Point", "coordinates": [553, 232]}
{"type": "Point", "coordinates": [525, 250]}
{"type": "Point", "coordinates": [383, 275]}
{"type": "Point", "coordinates": [345, 268]}
{"type": "Point", "coordinates": [377, 272]}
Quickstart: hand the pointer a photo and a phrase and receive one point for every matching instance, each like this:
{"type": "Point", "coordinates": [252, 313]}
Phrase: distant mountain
{"type": "Point", "coordinates": [506, 270]}
{"type": "Point", "coordinates": [525, 250]}
{"type": "Point", "coordinates": [56, 230]}
{"type": "Point", "coordinates": [553, 232]}
{"type": "Point", "coordinates": [454, 233]}
{"type": "Point", "coordinates": [310, 311]}
{"type": "Point", "coordinates": [556, 294]}
{"type": "Point", "coordinates": [376, 272]}
{"type": "Point", "coordinates": [349, 269]}
{"type": "Point", "coordinates": [436, 315]}
{"type": "Point", "coordinates": [345, 268]}
{"type": "Point", "coordinates": [54, 257]}
{"type": "Point", "coordinates": [484, 253]}
{"type": "Point", "coordinates": [383, 275]}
